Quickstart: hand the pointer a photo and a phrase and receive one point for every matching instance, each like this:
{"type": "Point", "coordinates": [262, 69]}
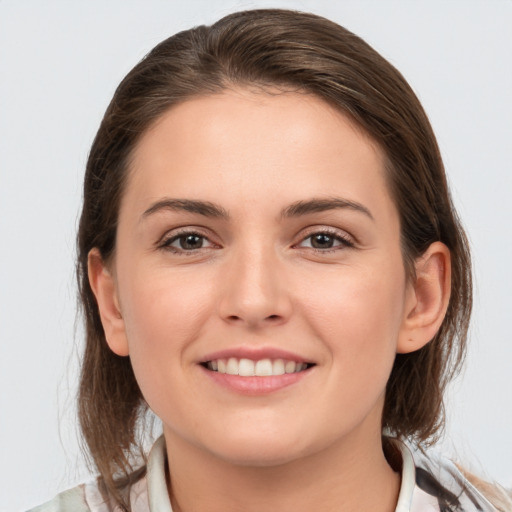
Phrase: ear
{"type": "Point", "coordinates": [427, 299]}
{"type": "Point", "coordinates": [104, 288]}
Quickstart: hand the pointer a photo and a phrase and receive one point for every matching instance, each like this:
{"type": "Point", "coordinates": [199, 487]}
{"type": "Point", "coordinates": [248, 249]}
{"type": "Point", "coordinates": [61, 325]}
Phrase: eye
{"type": "Point", "coordinates": [325, 241]}
{"type": "Point", "coordinates": [186, 242]}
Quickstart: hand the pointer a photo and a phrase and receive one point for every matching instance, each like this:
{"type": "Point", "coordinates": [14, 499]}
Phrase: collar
{"type": "Point", "coordinates": [408, 479]}
{"type": "Point", "coordinates": [157, 486]}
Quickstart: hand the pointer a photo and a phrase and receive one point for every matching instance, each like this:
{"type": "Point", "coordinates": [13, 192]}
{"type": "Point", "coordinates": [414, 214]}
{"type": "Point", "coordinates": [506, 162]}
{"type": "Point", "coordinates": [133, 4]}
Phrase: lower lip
{"type": "Point", "coordinates": [256, 385]}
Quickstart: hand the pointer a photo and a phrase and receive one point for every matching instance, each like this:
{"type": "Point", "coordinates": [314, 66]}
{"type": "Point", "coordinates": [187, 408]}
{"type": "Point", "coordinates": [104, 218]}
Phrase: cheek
{"type": "Point", "coordinates": [163, 308]}
{"type": "Point", "coordinates": [359, 315]}
{"type": "Point", "coordinates": [163, 315]}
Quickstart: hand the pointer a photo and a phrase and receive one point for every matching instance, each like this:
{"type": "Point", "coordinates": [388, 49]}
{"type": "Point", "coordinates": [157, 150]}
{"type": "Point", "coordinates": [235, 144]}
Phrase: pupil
{"type": "Point", "coordinates": [322, 241]}
{"type": "Point", "coordinates": [191, 242]}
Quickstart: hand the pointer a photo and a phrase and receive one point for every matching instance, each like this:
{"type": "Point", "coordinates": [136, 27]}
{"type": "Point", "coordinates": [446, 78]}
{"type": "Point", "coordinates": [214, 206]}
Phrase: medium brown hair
{"type": "Point", "coordinates": [292, 51]}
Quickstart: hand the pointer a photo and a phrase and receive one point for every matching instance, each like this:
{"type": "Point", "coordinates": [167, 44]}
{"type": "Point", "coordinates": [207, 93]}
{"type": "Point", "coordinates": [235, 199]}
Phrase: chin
{"type": "Point", "coordinates": [260, 451]}
{"type": "Point", "coordinates": [255, 458]}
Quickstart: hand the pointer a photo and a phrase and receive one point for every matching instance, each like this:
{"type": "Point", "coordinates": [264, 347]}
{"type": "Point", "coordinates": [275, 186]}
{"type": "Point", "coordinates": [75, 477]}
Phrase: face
{"type": "Point", "coordinates": [258, 277]}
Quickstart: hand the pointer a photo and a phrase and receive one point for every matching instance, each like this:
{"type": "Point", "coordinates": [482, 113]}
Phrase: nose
{"type": "Point", "coordinates": [254, 291]}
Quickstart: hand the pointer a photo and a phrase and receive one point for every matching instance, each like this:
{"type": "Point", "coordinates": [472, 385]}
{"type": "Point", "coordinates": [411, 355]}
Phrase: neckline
{"type": "Point", "coordinates": [159, 497]}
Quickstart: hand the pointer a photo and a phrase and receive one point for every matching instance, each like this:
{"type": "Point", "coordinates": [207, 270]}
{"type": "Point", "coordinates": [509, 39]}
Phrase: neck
{"type": "Point", "coordinates": [352, 475]}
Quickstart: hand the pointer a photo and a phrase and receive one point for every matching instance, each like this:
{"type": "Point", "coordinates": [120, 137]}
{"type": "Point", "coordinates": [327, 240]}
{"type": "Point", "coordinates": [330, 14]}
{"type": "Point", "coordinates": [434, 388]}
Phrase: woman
{"type": "Point", "coordinates": [270, 261]}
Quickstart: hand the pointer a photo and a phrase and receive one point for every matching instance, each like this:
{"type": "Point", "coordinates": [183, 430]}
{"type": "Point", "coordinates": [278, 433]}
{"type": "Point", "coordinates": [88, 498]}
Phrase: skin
{"type": "Point", "coordinates": [257, 281]}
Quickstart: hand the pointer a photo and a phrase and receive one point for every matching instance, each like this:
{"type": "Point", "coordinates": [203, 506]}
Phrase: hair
{"type": "Point", "coordinates": [291, 51]}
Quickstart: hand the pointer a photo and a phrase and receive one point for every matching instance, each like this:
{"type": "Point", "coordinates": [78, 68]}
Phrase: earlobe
{"type": "Point", "coordinates": [104, 288]}
{"type": "Point", "coordinates": [427, 299]}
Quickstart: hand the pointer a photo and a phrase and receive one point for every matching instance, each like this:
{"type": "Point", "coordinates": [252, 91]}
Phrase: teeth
{"type": "Point", "coordinates": [248, 368]}
{"type": "Point", "coordinates": [290, 366]}
{"type": "Point", "coordinates": [263, 368]}
{"type": "Point", "coordinates": [232, 366]}
{"type": "Point", "coordinates": [278, 367]}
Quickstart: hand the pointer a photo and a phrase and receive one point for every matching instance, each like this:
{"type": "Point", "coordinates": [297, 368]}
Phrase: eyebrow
{"type": "Point", "coordinates": [297, 209]}
{"type": "Point", "coordinates": [314, 205]}
{"type": "Point", "coordinates": [205, 208]}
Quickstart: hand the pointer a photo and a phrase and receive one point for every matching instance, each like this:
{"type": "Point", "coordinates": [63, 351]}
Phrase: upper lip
{"type": "Point", "coordinates": [256, 354]}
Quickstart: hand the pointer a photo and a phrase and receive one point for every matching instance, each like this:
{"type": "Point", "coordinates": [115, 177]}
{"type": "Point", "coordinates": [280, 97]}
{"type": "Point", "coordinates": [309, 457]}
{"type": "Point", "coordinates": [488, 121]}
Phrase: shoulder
{"type": "Point", "coordinates": [148, 483]}
{"type": "Point", "coordinates": [454, 489]}
{"type": "Point", "coordinates": [92, 497]}
{"type": "Point", "coordinates": [72, 499]}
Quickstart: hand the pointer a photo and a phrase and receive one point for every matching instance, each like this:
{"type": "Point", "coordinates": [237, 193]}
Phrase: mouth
{"type": "Point", "coordinates": [244, 367]}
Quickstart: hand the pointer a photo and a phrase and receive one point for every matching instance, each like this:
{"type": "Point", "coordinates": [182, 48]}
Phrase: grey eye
{"type": "Point", "coordinates": [190, 242]}
{"type": "Point", "coordinates": [325, 240]}
{"type": "Point", "coordinates": [187, 242]}
{"type": "Point", "coordinates": [322, 241]}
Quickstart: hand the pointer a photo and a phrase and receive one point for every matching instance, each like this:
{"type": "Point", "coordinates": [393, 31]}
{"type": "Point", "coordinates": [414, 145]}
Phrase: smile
{"type": "Point", "coordinates": [260, 368]}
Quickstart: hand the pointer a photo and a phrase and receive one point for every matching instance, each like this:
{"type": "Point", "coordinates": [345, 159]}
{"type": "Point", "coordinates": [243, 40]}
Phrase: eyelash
{"type": "Point", "coordinates": [166, 242]}
{"type": "Point", "coordinates": [344, 242]}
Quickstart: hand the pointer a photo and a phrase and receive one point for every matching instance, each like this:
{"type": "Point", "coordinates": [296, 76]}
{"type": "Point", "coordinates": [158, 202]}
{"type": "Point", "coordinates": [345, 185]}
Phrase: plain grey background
{"type": "Point", "coordinates": [59, 65]}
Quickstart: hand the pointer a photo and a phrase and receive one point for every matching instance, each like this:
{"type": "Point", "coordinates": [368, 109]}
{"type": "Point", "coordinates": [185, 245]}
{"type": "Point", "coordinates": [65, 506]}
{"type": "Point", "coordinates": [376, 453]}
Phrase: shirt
{"type": "Point", "coordinates": [428, 484]}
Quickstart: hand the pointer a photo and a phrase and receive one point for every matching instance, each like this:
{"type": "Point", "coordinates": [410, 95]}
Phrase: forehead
{"type": "Point", "coordinates": [261, 113]}
{"type": "Point", "coordinates": [279, 145]}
